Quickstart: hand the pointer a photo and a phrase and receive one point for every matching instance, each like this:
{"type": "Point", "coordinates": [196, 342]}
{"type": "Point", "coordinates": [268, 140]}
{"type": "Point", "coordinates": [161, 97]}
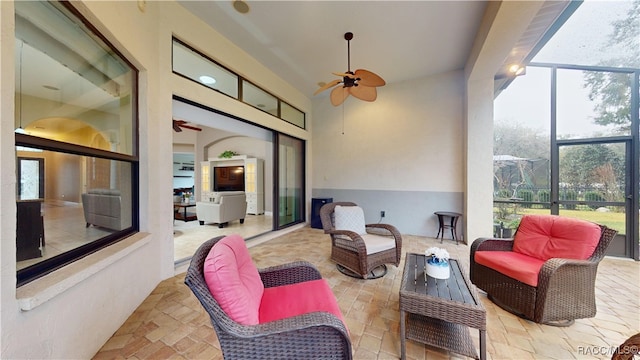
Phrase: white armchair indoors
{"type": "Point", "coordinates": [226, 206]}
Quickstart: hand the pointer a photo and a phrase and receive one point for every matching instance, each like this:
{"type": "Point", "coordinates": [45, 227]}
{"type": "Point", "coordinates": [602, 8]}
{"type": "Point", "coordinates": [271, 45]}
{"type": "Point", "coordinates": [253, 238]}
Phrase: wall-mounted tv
{"type": "Point", "coordinates": [228, 178]}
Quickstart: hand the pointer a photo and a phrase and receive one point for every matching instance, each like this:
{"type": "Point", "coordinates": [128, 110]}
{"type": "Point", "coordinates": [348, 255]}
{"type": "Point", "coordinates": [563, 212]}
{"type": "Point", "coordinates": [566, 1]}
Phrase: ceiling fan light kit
{"type": "Point", "coordinates": [360, 83]}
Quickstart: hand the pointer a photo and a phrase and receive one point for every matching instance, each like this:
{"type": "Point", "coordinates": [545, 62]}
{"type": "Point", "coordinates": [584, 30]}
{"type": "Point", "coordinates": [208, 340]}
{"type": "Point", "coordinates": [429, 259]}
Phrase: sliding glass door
{"type": "Point", "coordinates": [290, 181]}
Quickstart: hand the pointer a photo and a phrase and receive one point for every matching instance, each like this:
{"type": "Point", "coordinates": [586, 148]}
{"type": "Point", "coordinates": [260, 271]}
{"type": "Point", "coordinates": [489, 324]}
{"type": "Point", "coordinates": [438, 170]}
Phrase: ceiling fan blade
{"type": "Point", "coordinates": [338, 95]}
{"type": "Point", "coordinates": [190, 127]}
{"type": "Point", "coordinates": [344, 75]}
{"type": "Point", "coordinates": [327, 85]}
{"type": "Point", "coordinates": [176, 127]}
{"type": "Point", "coordinates": [366, 93]}
{"type": "Point", "coordinates": [367, 78]}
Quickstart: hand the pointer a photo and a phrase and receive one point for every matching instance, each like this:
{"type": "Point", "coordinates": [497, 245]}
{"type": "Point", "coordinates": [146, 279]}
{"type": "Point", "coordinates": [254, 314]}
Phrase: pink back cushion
{"type": "Point", "coordinates": [549, 236]}
{"type": "Point", "coordinates": [233, 280]}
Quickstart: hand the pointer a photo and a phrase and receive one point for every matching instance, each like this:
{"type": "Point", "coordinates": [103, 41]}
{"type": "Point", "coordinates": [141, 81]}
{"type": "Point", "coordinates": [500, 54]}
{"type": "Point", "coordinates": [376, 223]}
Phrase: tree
{"type": "Point", "coordinates": [591, 165]}
{"type": "Point", "coordinates": [612, 91]}
{"type": "Point", "coordinates": [518, 140]}
{"type": "Point", "coordinates": [529, 144]}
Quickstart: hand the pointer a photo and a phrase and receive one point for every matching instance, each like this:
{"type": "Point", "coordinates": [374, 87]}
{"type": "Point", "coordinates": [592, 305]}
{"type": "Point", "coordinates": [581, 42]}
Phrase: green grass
{"type": "Point", "coordinates": [614, 220]}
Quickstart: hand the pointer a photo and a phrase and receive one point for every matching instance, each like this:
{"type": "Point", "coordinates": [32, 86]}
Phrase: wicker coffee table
{"type": "Point", "coordinates": [440, 312]}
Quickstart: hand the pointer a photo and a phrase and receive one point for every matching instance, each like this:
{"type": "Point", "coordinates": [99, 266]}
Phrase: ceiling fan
{"type": "Point", "coordinates": [179, 124]}
{"type": "Point", "coordinates": [361, 83]}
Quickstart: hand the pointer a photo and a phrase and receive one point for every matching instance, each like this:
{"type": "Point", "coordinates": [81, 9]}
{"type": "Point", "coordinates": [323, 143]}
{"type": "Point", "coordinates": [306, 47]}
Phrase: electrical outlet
{"type": "Point", "coordinates": [382, 213]}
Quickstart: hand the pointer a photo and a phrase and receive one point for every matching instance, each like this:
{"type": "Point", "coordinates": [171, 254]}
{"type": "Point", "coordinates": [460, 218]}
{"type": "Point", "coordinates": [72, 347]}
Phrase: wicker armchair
{"type": "Point", "coordinates": [348, 248]}
{"type": "Point", "coordinates": [565, 289]}
{"type": "Point", "coordinates": [317, 335]}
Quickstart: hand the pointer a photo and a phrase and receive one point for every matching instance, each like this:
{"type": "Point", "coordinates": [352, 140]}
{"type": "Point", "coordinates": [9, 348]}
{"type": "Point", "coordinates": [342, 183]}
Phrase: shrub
{"type": "Point", "coordinates": [526, 196]}
{"type": "Point", "coordinates": [503, 194]}
{"type": "Point", "coordinates": [570, 195]}
{"type": "Point", "coordinates": [544, 196]}
{"type": "Point", "coordinates": [594, 196]}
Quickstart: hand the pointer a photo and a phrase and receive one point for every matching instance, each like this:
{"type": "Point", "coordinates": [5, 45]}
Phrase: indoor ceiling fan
{"type": "Point", "coordinates": [179, 124]}
{"type": "Point", "coordinates": [361, 83]}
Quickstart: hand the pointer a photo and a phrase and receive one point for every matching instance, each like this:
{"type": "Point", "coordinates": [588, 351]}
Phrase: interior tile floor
{"type": "Point", "coordinates": [187, 236]}
{"type": "Point", "coordinates": [171, 323]}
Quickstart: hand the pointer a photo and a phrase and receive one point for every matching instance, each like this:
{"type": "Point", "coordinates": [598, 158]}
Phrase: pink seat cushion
{"type": "Point", "coordinates": [233, 280]}
{"type": "Point", "coordinates": [517, 266]}
{"type": "Point", "coordinates": [285, 301]}
{"type": "Point", "coordinates": [550, 236]}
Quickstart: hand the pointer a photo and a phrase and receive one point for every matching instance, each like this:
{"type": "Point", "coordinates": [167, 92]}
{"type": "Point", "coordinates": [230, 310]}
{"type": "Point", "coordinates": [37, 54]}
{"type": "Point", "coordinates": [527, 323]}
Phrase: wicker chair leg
{"type": "Point", "coordinates": [375, 273]}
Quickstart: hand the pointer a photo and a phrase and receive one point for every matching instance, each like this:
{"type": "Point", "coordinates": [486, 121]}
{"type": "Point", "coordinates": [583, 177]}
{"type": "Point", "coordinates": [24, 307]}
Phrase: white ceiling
{"type": "Point", "coordinates": [303, 41]}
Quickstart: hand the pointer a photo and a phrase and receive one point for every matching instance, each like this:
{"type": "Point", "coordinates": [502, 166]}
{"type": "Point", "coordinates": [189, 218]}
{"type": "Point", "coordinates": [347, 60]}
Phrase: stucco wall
{"type": "Point", "coordinates": [401, 153]}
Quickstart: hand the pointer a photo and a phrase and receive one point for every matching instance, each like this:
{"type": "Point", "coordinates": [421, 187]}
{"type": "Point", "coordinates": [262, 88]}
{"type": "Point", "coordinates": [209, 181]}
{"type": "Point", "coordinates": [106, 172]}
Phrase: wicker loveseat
{"type": "Point", "coordinates": [360, 248]}
{"type": "Point", "coordinates": [547, 272]}
{"type": "Point", "coordinates": [318, 332]}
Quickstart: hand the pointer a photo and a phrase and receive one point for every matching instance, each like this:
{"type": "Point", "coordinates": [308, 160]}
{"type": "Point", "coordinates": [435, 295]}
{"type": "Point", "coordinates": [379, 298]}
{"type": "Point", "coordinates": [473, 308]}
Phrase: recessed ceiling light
{"type": "Point", "coordinates": [241, 6]}
{"type": "Point", "coordinates": [260, 105]}
{"type": "Point", "coordinates": [207, 80]}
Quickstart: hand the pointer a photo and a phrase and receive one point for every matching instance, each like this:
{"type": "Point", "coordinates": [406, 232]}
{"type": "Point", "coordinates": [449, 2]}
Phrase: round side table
{"type": "Point", "coordinates": [443, 216]}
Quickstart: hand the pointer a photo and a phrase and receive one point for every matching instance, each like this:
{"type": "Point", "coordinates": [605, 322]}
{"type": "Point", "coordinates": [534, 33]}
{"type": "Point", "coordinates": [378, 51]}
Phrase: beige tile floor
{"type": "Point", "coordinates": [171, 323]}
{"type": "Point", "coordinates": [187, 236]}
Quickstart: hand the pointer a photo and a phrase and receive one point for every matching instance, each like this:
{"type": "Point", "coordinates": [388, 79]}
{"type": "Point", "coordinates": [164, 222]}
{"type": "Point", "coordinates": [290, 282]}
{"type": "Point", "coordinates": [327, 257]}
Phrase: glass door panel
{"type": "Point", "coordinates": [290, 181]}
{"type": "Point", "coordinates": [593, 186]}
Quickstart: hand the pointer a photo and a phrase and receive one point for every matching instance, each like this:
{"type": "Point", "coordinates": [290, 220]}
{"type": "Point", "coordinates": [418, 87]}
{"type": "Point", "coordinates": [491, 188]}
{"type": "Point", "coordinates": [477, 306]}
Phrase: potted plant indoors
{"type": "Point", "coordinates": [228, 154]}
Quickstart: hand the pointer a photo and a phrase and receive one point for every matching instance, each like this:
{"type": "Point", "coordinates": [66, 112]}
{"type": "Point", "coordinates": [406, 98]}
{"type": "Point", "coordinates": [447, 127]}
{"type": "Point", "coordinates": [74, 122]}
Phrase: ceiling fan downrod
{"type": "Point", "coordinates": [347, 80]}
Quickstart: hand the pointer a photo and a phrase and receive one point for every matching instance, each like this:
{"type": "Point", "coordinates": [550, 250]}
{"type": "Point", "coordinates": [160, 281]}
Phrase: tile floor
{"type": "Point", "coordinates": [171, 323]}
{"type": "Point", "coordinates": [187, 236]}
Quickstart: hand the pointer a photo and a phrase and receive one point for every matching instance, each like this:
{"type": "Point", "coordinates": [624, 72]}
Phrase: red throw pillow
{"type": "Point", "coordinates": [281, 302]}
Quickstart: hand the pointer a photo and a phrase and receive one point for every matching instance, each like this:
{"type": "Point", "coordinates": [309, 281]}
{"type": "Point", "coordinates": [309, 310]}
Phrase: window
{"type": "Point", "coordinates": [76, 140]}
{"type": "Point", "coordinates": [259, 98]}
{"type": "Point", "coordinates": [189, 63]}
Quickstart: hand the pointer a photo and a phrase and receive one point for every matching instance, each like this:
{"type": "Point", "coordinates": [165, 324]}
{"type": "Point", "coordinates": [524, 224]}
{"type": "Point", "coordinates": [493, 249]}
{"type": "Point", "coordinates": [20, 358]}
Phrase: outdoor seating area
{"type": "Point", "coordinates": [173, 323]}
{"type": "Point", "coordinates": [266, 313]}
{"type": "Point", "coordinates": [547, 273]}
{"type": "Point", "coordinates": [360, 250]}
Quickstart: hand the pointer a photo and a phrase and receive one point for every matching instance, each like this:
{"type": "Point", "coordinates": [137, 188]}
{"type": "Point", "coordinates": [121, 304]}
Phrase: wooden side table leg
{"type": "Point", "coordinates": [454, 225]}
{"type": "Point", "coordinates": [483, 344]}
{"type": "Point", "coordinates": [403, 319]}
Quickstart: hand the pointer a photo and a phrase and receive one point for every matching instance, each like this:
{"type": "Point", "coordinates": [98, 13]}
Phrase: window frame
{"type": "Point", "coordinates": [241, 80]}
{"type": "Point", "coordinates": [49, 265]}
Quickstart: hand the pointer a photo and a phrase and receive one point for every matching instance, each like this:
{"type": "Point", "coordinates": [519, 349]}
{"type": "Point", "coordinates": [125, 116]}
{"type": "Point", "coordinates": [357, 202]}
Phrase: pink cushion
{"type": "Point", "coordinates": [234, 280]}
{"type": "Point", "coordinates": [550, 236]}
{"type": "Point", "coordinates": [285, 301]}
{"type": "Point", "coordinates": [517, 266]}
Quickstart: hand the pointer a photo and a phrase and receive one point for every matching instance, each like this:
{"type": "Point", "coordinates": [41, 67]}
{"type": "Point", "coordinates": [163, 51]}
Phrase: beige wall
{"type": "Point", "coordinates": [399, 142]}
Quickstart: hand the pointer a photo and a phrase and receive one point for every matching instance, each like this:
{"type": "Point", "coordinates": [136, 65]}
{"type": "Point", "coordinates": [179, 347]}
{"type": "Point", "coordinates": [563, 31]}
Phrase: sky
{"type": "Point", "coordinates": [580, 41]}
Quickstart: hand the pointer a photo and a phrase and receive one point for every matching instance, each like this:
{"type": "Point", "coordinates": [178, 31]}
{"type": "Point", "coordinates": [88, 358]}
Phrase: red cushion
{"type": "Point", "coordinates": [515, 265]}
{"type": "Point", "coordinates": [551, 236]}
{"type": "Point", "coordinates": [285, 301]}
{"type": "Point", "coordinates": [233, 280]}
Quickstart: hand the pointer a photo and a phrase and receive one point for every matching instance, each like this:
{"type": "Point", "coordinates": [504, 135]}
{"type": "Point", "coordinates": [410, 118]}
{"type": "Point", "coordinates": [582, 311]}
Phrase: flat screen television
{"type": "Point", "coordinates": [228, 178]}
